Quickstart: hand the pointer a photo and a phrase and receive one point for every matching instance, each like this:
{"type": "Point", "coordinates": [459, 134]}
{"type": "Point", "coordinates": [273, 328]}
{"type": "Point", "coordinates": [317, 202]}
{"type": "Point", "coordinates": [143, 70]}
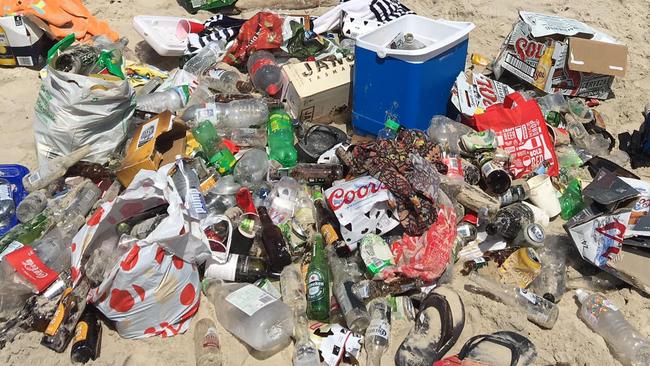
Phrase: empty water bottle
{"type": "Point", "coordinates": [209, 55]}
{"type": "Point", "coordinates": [187, 184]}
{"type": "Point", "coordinates": [604, 318]}
{"type": "Point", "coordinates": [7, 204]}
{"type": "Point", "coordinates": [236, 114]}
{"type": "Point", "coordinates": [389, 132]}
{"type": "Point", "coordinates": [53, 169]}
{"type": "Point", "coordinates": [252, 168]}
{"type": "Point", "coordinates": [226, 81]}
{"type": "Point", "coordinates": [265, 72]}
{"type": "Point", "coordinates": [207, 348]}
{"type": "Point", "coordinates": [173, 99]}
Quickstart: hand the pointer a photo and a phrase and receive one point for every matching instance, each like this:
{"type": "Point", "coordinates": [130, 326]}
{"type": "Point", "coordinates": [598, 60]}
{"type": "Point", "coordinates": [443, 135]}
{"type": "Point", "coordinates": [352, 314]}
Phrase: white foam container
{"type": "Point", "coordinates": [160, 33]}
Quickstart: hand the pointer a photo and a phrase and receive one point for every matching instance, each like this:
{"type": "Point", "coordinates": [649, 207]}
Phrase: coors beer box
{"type": "Point", "coordinates": [556, 54]}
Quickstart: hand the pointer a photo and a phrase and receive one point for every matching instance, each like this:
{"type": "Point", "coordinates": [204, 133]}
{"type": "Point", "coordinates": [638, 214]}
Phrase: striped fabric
{"type": "Point", "coordinates": [387, 10]}
{"type": "Point", "coordinates": [218, 27]}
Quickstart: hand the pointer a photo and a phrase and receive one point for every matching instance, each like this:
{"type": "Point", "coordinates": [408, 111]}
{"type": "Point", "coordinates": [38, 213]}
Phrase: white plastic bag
{"type": "Point", "coordinates": [75, 110]}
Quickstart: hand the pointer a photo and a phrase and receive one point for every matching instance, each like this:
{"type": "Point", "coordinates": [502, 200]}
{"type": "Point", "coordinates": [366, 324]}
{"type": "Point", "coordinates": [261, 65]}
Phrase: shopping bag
{"type": "Point", "coordinates": [151, 286]}
{"type": "Point", "coordinates": [521, 130]}
{"type": "Point", "coordinates": [76, 110]}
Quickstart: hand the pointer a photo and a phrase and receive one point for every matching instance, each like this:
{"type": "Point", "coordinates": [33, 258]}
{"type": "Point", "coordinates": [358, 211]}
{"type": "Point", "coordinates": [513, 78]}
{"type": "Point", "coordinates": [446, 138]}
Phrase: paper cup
{"type": "Point", "coordinates": [185, 27]}
{"type": "Point", "coordinates": [542, 194]}
{"type": "Point", "coordinates": [560, 136]}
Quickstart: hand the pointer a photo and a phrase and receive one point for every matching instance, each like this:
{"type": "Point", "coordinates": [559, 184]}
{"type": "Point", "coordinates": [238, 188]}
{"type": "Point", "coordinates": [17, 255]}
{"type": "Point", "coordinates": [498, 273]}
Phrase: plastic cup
{"type": "Point", "coordinates": [542, 194]}
{"type": "Point", "coordinates": [185, 27]}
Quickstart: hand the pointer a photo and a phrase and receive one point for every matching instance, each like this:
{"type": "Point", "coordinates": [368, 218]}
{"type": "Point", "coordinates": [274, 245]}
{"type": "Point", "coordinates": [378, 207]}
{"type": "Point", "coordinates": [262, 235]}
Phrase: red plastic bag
{"type": "Point", "coordinates": [426, 256]}
{"type": "Point", "coordinates": [261, 32]}
{"type": "Point", "coordinates": [521, 130]}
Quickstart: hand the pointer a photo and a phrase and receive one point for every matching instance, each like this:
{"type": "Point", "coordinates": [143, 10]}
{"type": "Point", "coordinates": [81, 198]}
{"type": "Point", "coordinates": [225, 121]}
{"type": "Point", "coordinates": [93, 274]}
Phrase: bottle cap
{"type": "Point", "coordinates": [272, 89]}
{"type": "Point", "coordinates": [582, 295]}
{"type": "Point", "coordinates": [393, 125]}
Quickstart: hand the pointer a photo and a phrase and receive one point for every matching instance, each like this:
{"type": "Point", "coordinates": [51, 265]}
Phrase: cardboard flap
{"type": "Point", "coordinates": [597, 57]}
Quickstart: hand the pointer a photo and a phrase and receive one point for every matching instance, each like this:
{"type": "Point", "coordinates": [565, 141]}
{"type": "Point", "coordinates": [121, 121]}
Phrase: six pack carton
{"type": "Point", "coordinates": [556, 54]}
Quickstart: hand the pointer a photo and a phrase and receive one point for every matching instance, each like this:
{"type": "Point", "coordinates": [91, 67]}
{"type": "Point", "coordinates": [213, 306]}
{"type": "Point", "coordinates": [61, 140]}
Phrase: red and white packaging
{"type": "Point", "coordinates": [25, 261]}
{"type": "Point", "coordinates": [361, 207]}
{"type": "Point", "coordinates": [474, 92]}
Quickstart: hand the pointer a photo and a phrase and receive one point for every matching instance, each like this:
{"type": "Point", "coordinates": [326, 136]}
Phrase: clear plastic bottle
{"type": "Point", "coordinates": [251, 314]}
{"type": "Point", "coordinates": [538, 310]}
{"type": "Point", "coordinates": [293, 289]}
{"type": "Point", "coordinates": [187, 184]}
{"type": "Point", "coordinates": [7, 204]}
{"type": "Point", "coordinates": [35, 203]}
{"type": "Point", "coordinates": [173, 99]}
{"type": "Point", "coordinates": [207, 348]}
{"type": "Point", "coordinates": [389, 132]}
{"type": "Point", "coordinates": [305, 352]}
{"type": "Point", "coordinates": [446, 132]}
{"type": "Point", "coordinates": [281, 138]}
{"type": "Point", "coordinates": [53, 169]}
{"type": "Point", "coordinates": [209, 55]}
{"type": "Point", "coordinates": [378, 332]}
{"type": "Point", "coordinates": [252, 168]}
{"type": "Point", "coordinates": [265, 72]}
{"type": "Point", "coordinates": [603, 317]}
{"type": "Point", "coordinates": [242, 113]}
{"type": "Point", "coordinates": [246, 137]}
{"type": "Point", "coordinates": [226, 81]}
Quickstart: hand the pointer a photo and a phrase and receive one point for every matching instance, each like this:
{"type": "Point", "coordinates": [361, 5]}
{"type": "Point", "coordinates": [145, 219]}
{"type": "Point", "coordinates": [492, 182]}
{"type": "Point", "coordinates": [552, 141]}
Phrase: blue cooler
{"type": "Point", "coordinates": [410, 86]}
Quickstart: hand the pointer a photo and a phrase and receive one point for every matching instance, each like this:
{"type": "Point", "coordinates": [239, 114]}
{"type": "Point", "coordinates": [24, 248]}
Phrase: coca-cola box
{"type": "Point", "coordinates": [556, 54]}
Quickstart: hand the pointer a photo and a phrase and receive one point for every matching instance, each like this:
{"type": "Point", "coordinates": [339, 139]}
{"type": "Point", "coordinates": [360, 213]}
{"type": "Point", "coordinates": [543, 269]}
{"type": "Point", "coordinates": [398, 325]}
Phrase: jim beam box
{"type": "Point", "coordinates": [319, 91]}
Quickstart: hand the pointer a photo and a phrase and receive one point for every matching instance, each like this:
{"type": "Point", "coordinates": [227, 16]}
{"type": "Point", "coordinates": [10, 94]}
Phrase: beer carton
{"type": "Point", "coordinates": [556, 54]}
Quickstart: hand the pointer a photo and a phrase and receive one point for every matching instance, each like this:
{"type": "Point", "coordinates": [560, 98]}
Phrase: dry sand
{"type": "Point", "coordinates": [570, 342]}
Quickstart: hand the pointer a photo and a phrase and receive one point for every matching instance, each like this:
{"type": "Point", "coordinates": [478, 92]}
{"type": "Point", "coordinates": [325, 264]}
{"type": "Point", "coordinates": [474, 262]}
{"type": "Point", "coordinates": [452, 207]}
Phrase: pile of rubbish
{"type": "Point", "coordinates": [318, 178]}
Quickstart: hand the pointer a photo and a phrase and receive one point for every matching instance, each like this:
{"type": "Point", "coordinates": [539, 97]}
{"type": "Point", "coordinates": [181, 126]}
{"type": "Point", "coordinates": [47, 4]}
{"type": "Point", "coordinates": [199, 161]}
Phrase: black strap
{"type": "Point", "coordinates": [476, 340]}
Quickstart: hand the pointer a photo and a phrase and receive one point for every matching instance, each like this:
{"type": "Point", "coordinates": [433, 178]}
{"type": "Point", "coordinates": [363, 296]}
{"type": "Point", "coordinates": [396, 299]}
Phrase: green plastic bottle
{"type": "Point", "coordinates": [213, 148]}
{"type": "Point", "coordinates": [280, 132]}
{"type": "Point", "coordinates": [318, 283]}
{"type": "Point", "coordinates": [571, 201]}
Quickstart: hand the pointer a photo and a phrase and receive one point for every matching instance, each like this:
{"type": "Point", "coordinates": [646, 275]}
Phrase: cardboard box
{"type": "Point", "coordinates": [318, 91]}
{"type": "Point", "coordinates": [22, 43]}
{"type": "Point", "coordinates": [155, 143]}
{"type": "Point", "coordinates": [473, 92]}
{"type": "Point", "coordinates": [556, 54]}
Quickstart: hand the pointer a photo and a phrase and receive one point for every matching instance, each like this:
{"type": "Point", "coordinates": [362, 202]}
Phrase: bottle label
{"type": "Point", "coordinates": [57, 319]}
{"type": "Point", "coordinates": [80, 332]}
{"type": "Point", "coordinates": [10, 248]}
{"type": "Point", "coordinates": [224, 271]}
{"type": "Point", "coordinates": [196, 203]}
{"type": "Point", "coordinates": [224, 161]}
{"type": "Point", "coordinates": [531, 297]}
{"type": "Point", "coordinates": [329, 234]}
{"type": "Point", "coordinates": [31, 268]}
{"type": "Point", "coordinates": [315, 286]}
{"type": "Point", "coordinates": [379, 328]}
{"type": "Point", "coordinates": [34, 177]}
{"type": "Point", "coordinates": [280, 121]}
{"type": "Point", "coordinates": [216, 73]}
{"type": "Point", "coordinates": [250, 299]}
{"type": "Point", "coordinates": [597, 306]}
{"type": "Point", "coordinates": [6, 191]}
{"type": "Point", "coordinates": [258, 65]}
{"type": "Point", "coordinates": [454, 167]}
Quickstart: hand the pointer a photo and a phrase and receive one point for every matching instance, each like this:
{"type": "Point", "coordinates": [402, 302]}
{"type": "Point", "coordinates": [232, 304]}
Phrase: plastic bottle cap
{"type": "Point", "coordinates": [582, 295]}
{"type": "Point", "coordinates": [391, 124]}
{"type": "Point", "coordinates": [272, 89]}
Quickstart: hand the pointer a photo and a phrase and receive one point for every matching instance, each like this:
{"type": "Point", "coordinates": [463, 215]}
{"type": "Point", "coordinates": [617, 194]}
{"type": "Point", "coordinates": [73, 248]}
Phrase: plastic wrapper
{"type": "Point", "coordinates": [427, 256]}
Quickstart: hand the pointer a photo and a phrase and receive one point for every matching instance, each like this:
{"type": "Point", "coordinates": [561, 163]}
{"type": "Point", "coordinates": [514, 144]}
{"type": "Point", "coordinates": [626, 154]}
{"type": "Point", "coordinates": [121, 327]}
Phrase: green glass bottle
{"type": "Point", "coordinates": [318, 283]}
{"type": "Point", "coordinates": [280, 137]}
{"type": "Point", "coordinates": [26, 233]}
{"type": "Point", "coordinates": [213, 147]}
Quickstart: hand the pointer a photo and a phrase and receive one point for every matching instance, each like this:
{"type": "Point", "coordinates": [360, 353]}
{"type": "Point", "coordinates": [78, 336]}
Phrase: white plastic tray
{"type": "Point", "coordinates": [160, 33]}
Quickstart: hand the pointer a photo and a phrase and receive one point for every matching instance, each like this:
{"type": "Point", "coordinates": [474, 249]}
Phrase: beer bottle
{"type": "Point", "coordinates": [318, 283]}
{"type": "Point", "coordinates": [87, 338]}
{"type": "Point", "coordinates": [274, 244]}
{"type": "Point", "coordinates": [312, 173]}
{"type": "Point", "coordinates": [328, 225]}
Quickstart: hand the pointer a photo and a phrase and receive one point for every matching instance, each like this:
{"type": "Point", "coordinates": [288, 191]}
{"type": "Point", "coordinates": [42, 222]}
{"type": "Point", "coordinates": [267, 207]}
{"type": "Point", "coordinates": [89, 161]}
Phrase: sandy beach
{"type": "Point", "coordinates": [570, 342]}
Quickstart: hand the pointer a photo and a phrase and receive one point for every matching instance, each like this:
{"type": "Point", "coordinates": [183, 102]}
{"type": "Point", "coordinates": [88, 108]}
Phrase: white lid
{"type": "Point", "coordinates": [582, 295]}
